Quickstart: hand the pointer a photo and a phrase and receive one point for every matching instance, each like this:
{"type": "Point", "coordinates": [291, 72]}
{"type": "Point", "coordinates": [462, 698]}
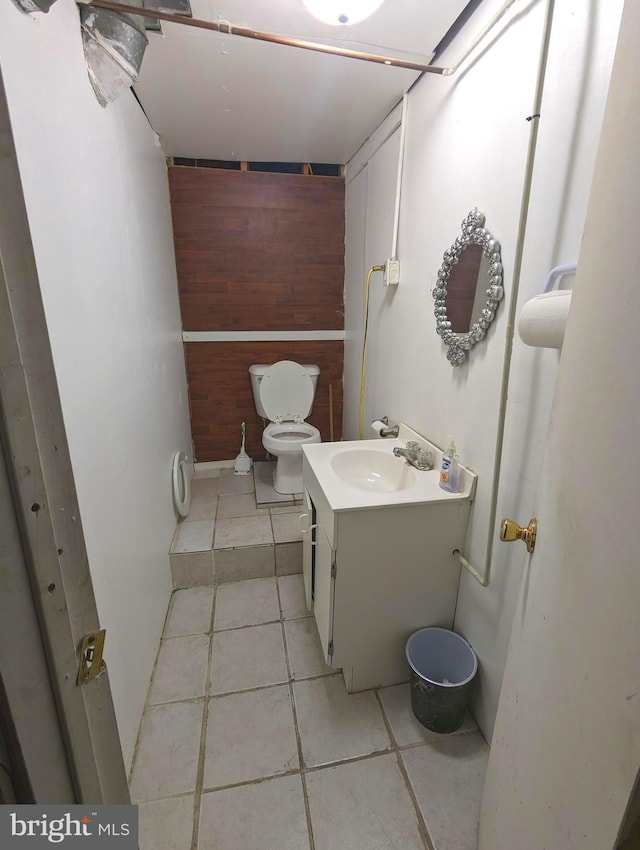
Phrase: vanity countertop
{"type": "Point", "coordinates": [387, 485]}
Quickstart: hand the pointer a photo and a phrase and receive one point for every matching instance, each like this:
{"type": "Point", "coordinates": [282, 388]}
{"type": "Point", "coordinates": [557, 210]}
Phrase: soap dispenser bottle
{"type": "Point", "coordinates": [449, 469]}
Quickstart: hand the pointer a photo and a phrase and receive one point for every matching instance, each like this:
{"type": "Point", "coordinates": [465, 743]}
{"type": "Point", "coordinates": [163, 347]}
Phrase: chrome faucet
{"type": "Point", "coordinates": [415, 455]}
{"type": "Point", "coordinates": [391, 431]}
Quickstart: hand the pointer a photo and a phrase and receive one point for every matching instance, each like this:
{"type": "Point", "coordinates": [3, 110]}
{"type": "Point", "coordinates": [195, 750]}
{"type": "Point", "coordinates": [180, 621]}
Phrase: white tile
{"type": "Point", "coordinates": [364, 804]}
{"type": "Point", "coordinates": [181, 670]}
{"type": "Point", "coordinates": [286, 527]}
{"type": "Point", "coordinates": [192, 569]}
{"type": "Point", "coordinates": [244, 563]}
{"type": "Point", "coordinates": [166, 824]}
{"type": "Point", "coordinates": [247, 658]}
{"type": "Point", "coordinates": [236, 484]}
{"type": "Point", "coordinates": [335, 725]}
{"type": "Point", "coordinates": [448, 777]}
{"type": "Point", "coordinates": [263, 471]}
{"type": "Point", "coordinates": [193, 537]}
{"type": "Point", "coordinates": [166, 763]}
{"type": "Point", "coordinates": [292, 599]}
{"type": "Point", "coordinates": [304, 650]}
{"type": "Point", "coordinates": [250, 736]}
{"type": "Point", "coordinates": [203, 470]}
{"type": "Point", "coordinates": [396, 702]}
{"type": "Point", "coordinates": [267, 816]}
{"type": "Point", "coordinates": [205, 488]}
{"type": "Point", "coordinates": [202, 508]}
{"type": "Point", "coordinates": [243, 531]}
{"type": "Point", "coordinates": [246, 603]}
{"type": "Point", "coordinates": [190, 612]}
{"type": "Point", "coordinates": [288, 558]}
{"type": "Point", "coordinates": [244, 504]}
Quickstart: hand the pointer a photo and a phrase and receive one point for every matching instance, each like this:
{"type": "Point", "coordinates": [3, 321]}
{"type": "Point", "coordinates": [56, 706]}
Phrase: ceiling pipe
{"type": "Point", "coordinates": [244, 32]}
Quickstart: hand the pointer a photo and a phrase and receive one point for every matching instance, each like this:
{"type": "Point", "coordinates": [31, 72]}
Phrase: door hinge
{"type": "Point", "coordinates": [334, 568]}
{"type": "Point", "coordinates": [330, 649]}
{"type": "Point", "coordinates": [90, 663]}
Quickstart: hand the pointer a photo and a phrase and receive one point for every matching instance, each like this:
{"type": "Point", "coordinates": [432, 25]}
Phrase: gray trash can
{"type": "Point", "coordinates": [443, 665]}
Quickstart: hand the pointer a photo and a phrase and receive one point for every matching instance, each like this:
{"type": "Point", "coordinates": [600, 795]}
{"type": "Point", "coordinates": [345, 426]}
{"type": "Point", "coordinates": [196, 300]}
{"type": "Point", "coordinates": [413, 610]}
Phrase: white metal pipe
{"type": "Point", "coordinates": [476, 41]}
{"type": "Point", "coordinates": [558, 272]}
{"type": "Point", "coordinates": [403, 135]}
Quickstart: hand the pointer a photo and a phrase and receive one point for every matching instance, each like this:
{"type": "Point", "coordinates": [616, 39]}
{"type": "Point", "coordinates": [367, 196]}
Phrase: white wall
{"type": "Point", "coordinates": [466, 146]}
{"type": "Point", "coordinates": [567, 734]}
{"type": "Point", "coordinates": [95, 186]}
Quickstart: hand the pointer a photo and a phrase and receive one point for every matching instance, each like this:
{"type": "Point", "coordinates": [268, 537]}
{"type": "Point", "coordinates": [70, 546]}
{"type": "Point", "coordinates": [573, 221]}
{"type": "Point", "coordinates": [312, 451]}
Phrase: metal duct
{"type": "Point", "coordinates": [114, 45]}
{"type": "Point", "coordinates": [176, 7]}
{"type": "Point", "coordinates": [34, 5]}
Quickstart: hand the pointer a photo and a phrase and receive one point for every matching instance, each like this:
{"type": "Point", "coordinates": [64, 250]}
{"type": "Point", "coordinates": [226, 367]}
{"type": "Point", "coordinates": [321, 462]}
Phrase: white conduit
{"type": "Point", "coordinates": [484, 576]}
{"type": "Point", "coordinates": [476, 41]}
{"type": "Point", "coordinates": [403, 134]}
{"type": "Point", "coordinates": [558, 272]}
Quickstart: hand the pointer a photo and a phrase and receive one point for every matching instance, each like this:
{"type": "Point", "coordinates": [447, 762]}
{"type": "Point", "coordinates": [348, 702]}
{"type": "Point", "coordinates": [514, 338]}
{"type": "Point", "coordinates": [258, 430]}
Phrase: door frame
{"type": "Point", "coordinates": [40, 503]}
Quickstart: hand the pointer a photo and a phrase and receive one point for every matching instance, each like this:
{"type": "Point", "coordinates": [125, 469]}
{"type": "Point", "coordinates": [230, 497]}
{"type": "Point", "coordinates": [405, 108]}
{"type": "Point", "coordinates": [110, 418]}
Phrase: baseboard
{"type": "Point", "coordinates": [201, 470]}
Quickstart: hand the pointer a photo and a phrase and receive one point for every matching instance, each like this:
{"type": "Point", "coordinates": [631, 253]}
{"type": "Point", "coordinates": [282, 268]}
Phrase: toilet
{"type": "Point", "coordinates": [283, 394]}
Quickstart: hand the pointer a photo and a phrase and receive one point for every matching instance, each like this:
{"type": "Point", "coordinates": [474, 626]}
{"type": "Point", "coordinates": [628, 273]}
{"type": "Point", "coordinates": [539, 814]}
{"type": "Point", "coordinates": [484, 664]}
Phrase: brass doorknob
{"type": "Point", "coordinates": [510, 531]}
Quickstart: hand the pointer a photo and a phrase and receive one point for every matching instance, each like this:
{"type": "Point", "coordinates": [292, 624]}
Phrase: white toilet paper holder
{"type": "Point", "coordinates": [383, 429]}
{"type": "Point", "coordinates": [543, 319]}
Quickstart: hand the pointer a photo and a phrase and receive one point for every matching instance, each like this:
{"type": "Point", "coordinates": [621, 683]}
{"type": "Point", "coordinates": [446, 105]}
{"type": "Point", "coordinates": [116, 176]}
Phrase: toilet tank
{"type": "Point", "coordinates": [257, 372]}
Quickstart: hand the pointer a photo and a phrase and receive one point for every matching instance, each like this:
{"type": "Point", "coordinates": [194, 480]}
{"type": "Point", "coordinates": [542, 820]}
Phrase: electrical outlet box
{"type": "Point", "coordinates": [392, 272]}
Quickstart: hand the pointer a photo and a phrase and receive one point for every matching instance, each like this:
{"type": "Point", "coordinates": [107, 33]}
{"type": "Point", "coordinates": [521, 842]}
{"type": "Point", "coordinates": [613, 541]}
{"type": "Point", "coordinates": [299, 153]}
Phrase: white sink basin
{"type": "Point", "coordinates": [375, 471]}
{"type": "Point", "coordinates": [357, 474]}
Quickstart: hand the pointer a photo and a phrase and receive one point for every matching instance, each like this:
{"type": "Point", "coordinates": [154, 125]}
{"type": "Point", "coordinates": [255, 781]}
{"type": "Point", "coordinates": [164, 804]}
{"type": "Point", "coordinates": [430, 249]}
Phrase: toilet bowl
{"type": "Point", "coordinates": [284, 394]}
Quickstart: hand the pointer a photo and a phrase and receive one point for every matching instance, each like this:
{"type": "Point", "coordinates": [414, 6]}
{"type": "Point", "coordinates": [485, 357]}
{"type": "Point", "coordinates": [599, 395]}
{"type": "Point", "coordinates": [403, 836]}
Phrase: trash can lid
{"type": "Point", "coordinates": [441, 657]}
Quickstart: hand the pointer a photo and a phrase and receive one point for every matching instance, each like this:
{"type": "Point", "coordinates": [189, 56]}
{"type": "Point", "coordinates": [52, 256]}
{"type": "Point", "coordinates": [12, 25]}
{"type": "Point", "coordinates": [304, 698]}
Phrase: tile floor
{"type": "Point", "coordinates": [250, 742]}
{"type": "Point", "coordinates": [238, 527]}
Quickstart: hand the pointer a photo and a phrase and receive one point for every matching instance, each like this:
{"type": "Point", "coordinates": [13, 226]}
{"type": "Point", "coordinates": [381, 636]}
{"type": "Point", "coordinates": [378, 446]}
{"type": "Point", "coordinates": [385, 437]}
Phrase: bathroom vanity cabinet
{"type": "Point", "coordinates": [375, 573]}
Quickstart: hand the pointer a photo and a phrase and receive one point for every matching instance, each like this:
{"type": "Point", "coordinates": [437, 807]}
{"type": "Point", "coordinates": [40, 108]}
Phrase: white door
{"type": "Point", "coordinates": [47, 605]}
{"type": "Point", "coordinates": [307, 528]}
{"type": "Point", "coordinates": [566, 746]}
{"type": "Point", "coordinates": [323, 588]}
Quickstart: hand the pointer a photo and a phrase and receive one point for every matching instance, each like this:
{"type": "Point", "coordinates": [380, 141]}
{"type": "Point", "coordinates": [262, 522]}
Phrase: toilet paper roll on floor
{"type": "Point", "coordinates": [543, 320]}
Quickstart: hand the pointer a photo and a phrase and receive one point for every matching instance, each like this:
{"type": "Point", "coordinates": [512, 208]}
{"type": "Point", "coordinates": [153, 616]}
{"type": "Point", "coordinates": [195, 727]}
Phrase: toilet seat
{"type": "Point", "coordinates": [181, 484]}
{"type": "Point", "coordinates": [287, 437]}
{"type": "Point", "coordinates": [286, 392]}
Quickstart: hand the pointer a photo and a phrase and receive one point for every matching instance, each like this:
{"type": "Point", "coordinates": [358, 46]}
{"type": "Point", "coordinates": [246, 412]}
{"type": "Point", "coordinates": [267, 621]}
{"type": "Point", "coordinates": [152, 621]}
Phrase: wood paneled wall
{"type": "Point", "coordinates": [256, 251]}
{"type": "Point", "coordinates": [221, 396]}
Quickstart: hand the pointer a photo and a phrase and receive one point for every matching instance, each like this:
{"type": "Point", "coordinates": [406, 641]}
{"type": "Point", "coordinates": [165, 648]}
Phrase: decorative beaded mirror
{"type": "Point", "coordinates": [463, 314]}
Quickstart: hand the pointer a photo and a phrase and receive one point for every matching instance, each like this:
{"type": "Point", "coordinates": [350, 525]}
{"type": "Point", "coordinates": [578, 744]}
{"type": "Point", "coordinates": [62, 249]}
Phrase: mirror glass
{"type": "Point", "coordinates": [469, 288]}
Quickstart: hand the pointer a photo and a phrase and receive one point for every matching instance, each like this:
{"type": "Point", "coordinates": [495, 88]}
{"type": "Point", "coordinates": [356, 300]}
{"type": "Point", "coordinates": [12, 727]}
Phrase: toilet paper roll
{"type": "Point", "coordinates": [377, 426]}
{"type": "Point", "coordinates": [543, 319]}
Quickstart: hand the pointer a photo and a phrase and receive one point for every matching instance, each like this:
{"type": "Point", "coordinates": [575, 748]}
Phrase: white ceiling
{"type": "Point", "coordinates": [217, 96]}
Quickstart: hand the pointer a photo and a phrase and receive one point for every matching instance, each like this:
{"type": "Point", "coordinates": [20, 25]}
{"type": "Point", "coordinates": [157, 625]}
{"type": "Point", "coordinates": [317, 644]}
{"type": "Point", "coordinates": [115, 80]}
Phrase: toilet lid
{"type": "Point", "coordinates": [286, 392]}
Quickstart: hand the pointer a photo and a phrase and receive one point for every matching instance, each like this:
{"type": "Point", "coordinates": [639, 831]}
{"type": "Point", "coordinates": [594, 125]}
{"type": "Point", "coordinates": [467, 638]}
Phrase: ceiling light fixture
{"type": "Point", "coordinates": [341, 12]}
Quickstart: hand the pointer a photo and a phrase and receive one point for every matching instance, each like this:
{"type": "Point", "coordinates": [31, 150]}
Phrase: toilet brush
{"type": "Point", "coordinates": [243, 461]}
